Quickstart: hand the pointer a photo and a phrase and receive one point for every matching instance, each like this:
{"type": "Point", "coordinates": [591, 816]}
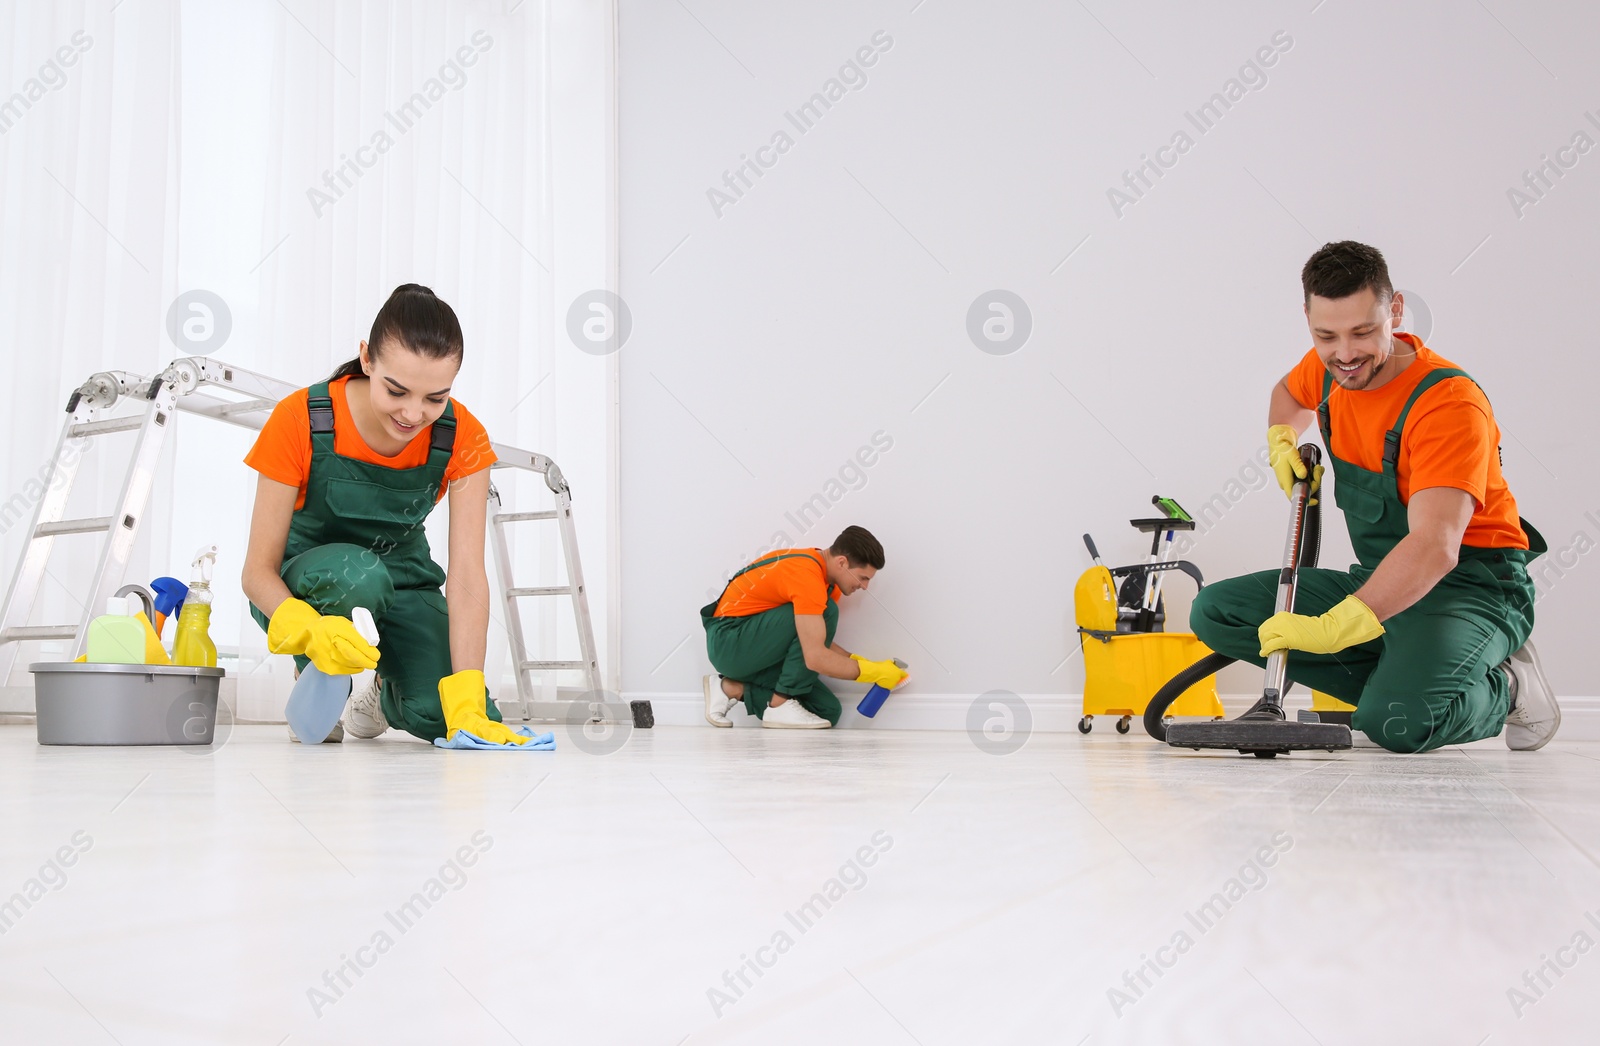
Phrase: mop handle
{"type": "Point", "coordinates": [1288, 577]}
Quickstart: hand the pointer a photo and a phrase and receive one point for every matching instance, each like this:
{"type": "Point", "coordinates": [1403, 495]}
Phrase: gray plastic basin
{"type": "Point", "coordinates": [94, 704]}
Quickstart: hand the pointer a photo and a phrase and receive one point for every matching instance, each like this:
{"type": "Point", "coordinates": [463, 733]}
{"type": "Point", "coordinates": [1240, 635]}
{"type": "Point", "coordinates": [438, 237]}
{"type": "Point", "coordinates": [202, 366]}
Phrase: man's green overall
{"type": "Point", "coordinates": [358, 541]}
{"type": "Point", "coordinates": [762, 651]}
{"type": "Point", "coordinates": [1432, 678]}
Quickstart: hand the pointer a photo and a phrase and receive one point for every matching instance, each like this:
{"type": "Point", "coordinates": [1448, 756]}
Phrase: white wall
{"type": "Point", "coordinates": [830, 301]}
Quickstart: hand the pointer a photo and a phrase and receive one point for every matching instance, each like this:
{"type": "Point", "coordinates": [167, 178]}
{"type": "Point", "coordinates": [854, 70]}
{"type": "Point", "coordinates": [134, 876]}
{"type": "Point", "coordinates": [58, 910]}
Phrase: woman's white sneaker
{"type": "Point", "coordinates": [335, 736]}
{"type": "Point", "coordinates": [790, 716]}
{"type": "Point", "coordinates": [1535, 715]}
{"type": "Point", "coordinates": [718, 704]}
{"type": "Point", "coordinates": [364, 718]}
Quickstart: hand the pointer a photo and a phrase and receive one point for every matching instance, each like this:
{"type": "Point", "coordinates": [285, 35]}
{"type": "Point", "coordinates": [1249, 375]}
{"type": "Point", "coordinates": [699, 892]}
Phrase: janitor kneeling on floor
{"type": "Point", "coordinates": [1428, 635]}
{"type": "Point", "coordinates": [350, 469]}
{"type": "Point", "coordinates": [770, 635]}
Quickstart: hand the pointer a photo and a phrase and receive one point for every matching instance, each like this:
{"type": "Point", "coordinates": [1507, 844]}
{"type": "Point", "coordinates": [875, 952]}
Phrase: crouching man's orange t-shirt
{"type": "Point", "coordinates": [802, 579]}
{"type": "Point", "coordinates": [1450, 439]}
{"type": "Point", "coordinates": [283, 450]}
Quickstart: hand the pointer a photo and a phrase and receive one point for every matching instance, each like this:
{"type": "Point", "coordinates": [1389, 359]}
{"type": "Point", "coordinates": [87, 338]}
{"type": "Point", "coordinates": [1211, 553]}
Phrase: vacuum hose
{"type": "Point", "coordinates": [1305, 545]}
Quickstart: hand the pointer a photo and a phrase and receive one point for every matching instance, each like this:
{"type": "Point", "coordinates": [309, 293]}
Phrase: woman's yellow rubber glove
{"type": "Point", "coordinates": [886, 674]}
{"type": "Point", "coordinates": [1348, 623]}
{"type": "Point", "coordinates": [1283, 452]}
{"type": "Point", "coordinates": [465, 704]}
{"type": "Point", "coordinates": [330, 641]}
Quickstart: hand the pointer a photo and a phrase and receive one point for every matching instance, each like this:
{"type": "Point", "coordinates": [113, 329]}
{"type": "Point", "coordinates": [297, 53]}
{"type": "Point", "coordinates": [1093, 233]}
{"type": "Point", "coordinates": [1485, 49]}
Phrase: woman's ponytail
{"type": "Point", "coordinates": [416, 318]}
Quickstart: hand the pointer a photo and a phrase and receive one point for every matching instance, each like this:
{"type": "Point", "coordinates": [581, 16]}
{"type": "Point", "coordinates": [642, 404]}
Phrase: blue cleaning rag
{"type": "Point", "coordinates": [462, 739]}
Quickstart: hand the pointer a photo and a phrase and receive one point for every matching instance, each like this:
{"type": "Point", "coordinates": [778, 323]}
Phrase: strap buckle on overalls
{"type": "Point", "coordinates": [444, 434]}
{"type": "Point", "coordinates": [1391, 448]}
{"type": "Point", "coordinates": [321, 410]}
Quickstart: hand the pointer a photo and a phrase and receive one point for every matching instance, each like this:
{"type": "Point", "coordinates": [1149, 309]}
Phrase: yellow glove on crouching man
{"type": "Point", "coordinates": [465, 702]}
{"type": "Point", "coordinates": [886, 674]}
{"type": "Point", "coordinates": [330, 641]}
{"type": "Point", "coordinates": [1283, 453]}
{"type": "Point", "coordinates": [1347, 624]}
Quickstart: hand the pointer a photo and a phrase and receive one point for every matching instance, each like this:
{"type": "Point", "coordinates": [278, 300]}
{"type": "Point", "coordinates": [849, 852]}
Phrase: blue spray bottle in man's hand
{"type": "Point", "coordinates": [877, 695]}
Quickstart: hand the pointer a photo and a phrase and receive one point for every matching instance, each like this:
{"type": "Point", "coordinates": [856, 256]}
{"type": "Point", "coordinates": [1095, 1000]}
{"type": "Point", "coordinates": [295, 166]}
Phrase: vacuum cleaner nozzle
{"type": "Point", "coordinates": [1264, 737]}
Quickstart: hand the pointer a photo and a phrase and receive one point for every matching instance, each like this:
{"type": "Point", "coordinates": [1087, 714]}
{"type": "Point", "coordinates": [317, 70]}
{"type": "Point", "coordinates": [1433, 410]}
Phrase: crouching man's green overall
{"type": "Point", "coordinates": [358, 541]}
{"type": "Point", "coordinates": [1433, 677]}
{"type": "Point", "coordinates": [763, 652]}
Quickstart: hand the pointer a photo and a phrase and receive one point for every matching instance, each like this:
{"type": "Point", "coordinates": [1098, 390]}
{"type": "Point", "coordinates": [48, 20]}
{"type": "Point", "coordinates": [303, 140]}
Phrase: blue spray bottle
{"type": "Point", "coordinates": [875, 697]}
{"type": "Point", "coordinates": [318, 699]}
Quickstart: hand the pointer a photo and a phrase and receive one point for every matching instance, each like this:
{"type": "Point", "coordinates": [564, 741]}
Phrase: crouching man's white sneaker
{"type": "Point", "coordinates": [790, 716]}
{"type": "Point", "coordinates": [1535, 715]}
{"type": "Point", "coordinates": [364, 717]}
{"type": "Point", "coordinates": [718, 704]}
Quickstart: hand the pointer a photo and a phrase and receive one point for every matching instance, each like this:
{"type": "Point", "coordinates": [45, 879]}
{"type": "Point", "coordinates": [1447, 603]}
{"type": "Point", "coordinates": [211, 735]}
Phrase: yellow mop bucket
{"type": "Point", "coordinates": [1330, 708]}
{"type": "Point", "coordinates": [1123, 670]}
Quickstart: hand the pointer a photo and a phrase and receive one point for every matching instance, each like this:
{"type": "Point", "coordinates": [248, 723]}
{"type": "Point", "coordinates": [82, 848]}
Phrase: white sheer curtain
{"type": "Point", "coordinates": [89, 139]}
{"type": "Point", "coordinates": [414, 142]}
{"type": "Point", "coordinates": [335, 149]}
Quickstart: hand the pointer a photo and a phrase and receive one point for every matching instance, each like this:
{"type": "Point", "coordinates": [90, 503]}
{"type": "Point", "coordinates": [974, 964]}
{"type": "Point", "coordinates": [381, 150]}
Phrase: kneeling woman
{"type": "Point", "coordinates": [350, 469]}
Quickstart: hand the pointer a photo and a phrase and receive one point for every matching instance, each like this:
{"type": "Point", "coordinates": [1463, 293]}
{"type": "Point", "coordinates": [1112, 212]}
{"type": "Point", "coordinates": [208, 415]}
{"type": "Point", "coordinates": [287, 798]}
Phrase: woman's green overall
{"type": "Point", "coordinates": [358, 541]}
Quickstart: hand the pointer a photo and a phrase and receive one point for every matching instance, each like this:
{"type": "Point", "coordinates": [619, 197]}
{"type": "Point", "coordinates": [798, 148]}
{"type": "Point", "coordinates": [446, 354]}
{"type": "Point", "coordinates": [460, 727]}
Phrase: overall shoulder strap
{"type": "Point", "coordinates": [1322, 412]}
{"type": "Point", "coordinates": [320, 407]}
{"type": "Point", "coordinates": [1391, 439]}
{"type": "Point", "coordinates": [769, 561]}
{"type": "Point", "coordinates": [443, 440]}
{"type": "Point", "coordinates": [710, 608]}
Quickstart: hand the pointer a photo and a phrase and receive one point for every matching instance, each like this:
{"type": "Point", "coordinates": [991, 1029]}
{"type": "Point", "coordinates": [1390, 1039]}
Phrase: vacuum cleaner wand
{"type": "Point", "coordinates": [1265, 730]}
{"type": "Point", "coordinates": [1288, 578]}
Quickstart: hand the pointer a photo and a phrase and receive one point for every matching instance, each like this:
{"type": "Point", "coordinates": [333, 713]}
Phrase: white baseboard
{"type": "Point", "coordinates": [260, 699]}
{"type": "Point", "coordinates": [1050, 713]}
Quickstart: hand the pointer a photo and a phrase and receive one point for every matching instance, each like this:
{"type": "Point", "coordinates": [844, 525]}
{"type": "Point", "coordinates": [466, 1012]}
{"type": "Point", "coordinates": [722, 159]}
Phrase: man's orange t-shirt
{"type": "Point", "coordinates": [1450, 439]}
{"type": "Point", "coordinates": [801, 580]}
{"type": "Point", "coordinates": [283, 450]}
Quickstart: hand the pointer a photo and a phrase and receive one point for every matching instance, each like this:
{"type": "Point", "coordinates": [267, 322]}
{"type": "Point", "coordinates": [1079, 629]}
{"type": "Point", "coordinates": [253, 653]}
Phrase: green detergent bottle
{"type": "Point", "coordinates": [192, 645]}
{"type": "Point", "coordinates": [115, 638]}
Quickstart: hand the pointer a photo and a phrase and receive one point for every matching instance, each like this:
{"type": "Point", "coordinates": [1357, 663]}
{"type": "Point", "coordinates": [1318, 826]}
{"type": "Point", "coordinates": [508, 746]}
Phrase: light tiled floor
{"type": "Point", "coordinates": [979, 898]}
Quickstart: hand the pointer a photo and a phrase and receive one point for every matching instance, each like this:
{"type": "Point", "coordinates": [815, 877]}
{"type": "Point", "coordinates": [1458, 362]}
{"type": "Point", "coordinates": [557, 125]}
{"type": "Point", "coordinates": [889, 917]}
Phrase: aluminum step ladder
{"type": "Point", "coordinates": [187, 385]}
{"type": "Point", "coordinates": [87, 419]}
{"type": "Point", "coordinates": [592, 706]}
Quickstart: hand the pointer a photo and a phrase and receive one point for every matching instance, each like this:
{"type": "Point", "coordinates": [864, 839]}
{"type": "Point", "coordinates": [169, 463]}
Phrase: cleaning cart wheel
{"type": "Point", "coordinates": [1259, 754]}
{"type": "Point", "coordinates": [1086, 724]}
{"type": "Point", "coordinates": [1124, 724]}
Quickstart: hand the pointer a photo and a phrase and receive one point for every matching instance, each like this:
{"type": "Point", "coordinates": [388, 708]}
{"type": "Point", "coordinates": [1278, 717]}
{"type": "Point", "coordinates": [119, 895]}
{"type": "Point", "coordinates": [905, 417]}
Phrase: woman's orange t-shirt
{"type": "Point", "coordinates": [283, 450]}
{"type": "Point", "coordinates": [801, 580]}
{"type": "Point", "coordinates": [1450, 439]}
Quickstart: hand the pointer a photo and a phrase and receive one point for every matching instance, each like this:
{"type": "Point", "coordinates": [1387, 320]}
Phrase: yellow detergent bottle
{"type": "Point", "coordinates": [192, 645]}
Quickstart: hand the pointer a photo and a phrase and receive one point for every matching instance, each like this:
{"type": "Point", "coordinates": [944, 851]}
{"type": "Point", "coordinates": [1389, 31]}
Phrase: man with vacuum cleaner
{"type": "Point", "coordinates": [770, 635]}
{"type": "Point", "coordinates": [1428, 635]}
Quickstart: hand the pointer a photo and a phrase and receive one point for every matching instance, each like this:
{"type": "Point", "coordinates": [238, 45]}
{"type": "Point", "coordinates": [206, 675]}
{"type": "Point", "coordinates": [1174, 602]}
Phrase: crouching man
{"type": "Point", "coordinates": [770, 635]}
